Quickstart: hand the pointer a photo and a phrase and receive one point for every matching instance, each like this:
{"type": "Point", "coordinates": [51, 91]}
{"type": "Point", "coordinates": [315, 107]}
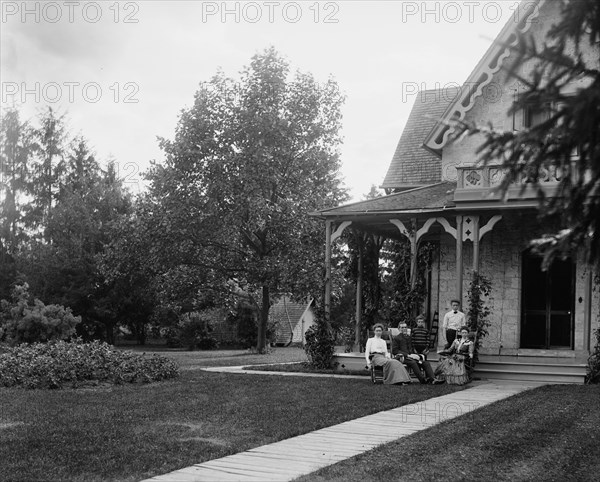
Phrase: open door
{"type": "Point", "coordinates": [547, 299]}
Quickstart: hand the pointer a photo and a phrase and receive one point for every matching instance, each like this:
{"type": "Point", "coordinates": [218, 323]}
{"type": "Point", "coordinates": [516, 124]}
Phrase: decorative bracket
{"type": "Point", "coordinates": [446, 225]}
{"type": "Point", "coordinates": [401, 227]}
{"type": "Point", "coordinates": [490, 225]}
{"type": "Point", "coordinates": [340, 229]}
{"type": "Point", "coordinates": [425, 229]}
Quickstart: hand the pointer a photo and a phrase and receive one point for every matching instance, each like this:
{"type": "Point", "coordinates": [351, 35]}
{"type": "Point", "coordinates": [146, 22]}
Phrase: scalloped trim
{"type": "Point", "coordinates": [467, 97]}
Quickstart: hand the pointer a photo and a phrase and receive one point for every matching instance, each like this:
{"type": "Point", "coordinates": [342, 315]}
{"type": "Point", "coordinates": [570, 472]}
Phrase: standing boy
{"type": "Point", "coordinates": [453, 320]}
{"type": "Point", "coordinates": [420, 336]}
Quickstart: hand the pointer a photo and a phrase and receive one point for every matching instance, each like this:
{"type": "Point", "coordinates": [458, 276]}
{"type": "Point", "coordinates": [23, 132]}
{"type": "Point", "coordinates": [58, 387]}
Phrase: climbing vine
{"type": "Point", "coordinates": [388, 296]}
{"type": "Point", "coordinates": [372, 300]}
{"type": "Point", "coordinates": [478, 312]}
{"type": "Point", "coordinates": [405, 302]}
{"type": "Point", "coordinates": [593, 368]}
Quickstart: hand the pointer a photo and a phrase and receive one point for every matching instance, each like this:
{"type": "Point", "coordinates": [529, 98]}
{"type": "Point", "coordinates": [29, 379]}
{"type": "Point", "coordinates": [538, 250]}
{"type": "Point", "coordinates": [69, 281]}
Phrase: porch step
{"type": "Point", "coordinates": [553, 373]}
{"type": "Point", "coordinates": [570, 369]}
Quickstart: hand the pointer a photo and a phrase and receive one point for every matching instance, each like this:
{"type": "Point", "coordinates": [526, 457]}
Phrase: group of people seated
{"type": "Point", "coordinates": [409, 350]}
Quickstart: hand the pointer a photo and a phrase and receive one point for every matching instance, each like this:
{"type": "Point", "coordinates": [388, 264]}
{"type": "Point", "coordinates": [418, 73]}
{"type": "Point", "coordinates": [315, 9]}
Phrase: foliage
{"type": "Point", "coordinates": [344, 335]}
{"type": "Point", "coordinates": [478, 311]}
{"type": "Point", "coordinates": [195, 331]}
{"type": "Point", "coordinates": [593, 368]}
{"type": "Point", "coordinates": [60, 364]}
{"type": "Point", "coordinates": [245, 316]}
{"type": "Point", "coordinates": [146, 431]}
{"type": "Point", "coordinates": [406, 301]}
{"type": "Point", "coordinates": [320, 343]}
{"type": "Point", "coordinates": [249, 161]}
{"type": "Point", "coordinates": [388, 296]}
{"type": "Point", "coordinates": [58, 213]}
{"type": "Point", "coordinates": [565, 86]}
{"type": "Point", "coordinates": [26, 321]}
{"type": "Point", "coordinates": [370, 246]}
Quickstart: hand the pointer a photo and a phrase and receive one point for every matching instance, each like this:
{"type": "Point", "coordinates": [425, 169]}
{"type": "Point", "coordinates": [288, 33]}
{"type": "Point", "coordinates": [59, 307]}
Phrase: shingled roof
{"type": "Point", "coordinates": [412, 165]}
{"type": "Point", "coordinates": [287, 314]}
{"type": "Point", "coordinates": [438, 196]}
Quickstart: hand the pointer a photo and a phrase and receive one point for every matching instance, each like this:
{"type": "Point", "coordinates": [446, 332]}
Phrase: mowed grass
{"type": "Point", "coordinates": [551, 433]}
{"type": "Point", "coordinates": [304, 367]}
{"type": "Point", "coordinates": [133, 432]}
{"type": "Point", "coordinates": [189, 360]}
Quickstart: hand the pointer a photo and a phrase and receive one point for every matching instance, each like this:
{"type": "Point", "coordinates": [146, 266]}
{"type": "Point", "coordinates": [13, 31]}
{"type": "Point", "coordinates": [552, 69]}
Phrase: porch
{"type": "Point", "coordinates": [542, 322]}
{"type": "Point", "coordinates": [534, 367]}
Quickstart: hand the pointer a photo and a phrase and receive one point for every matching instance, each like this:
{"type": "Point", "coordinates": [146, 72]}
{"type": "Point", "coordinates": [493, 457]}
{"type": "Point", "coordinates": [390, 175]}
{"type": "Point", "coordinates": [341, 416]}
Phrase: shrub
{"type": "Point", "coordinates": [195, 330]}
{"type": "Point", "coordinates": [246, 318]}
{"type": "Point", "coordinates": [593, 368]}
{"type": "Point", "coordinates": [320, 344]}
{"type": "Point", "coordinates": [61, 364]}
{"type": "Point", "coordinates": [27, 321]}
{"type": "Point", "coordinates": [208, 342]}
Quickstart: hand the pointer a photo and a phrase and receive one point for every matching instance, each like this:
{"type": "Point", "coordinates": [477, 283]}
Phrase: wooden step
{"type": "Point", "coordinates": [574, 369]}
{"type": "Point", "coordinates": [520, 374]}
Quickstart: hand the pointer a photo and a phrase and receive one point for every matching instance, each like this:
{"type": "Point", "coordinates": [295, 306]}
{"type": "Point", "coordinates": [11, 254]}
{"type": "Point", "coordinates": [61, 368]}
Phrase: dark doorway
{"type": "Point", "coordinates": [547, 301]}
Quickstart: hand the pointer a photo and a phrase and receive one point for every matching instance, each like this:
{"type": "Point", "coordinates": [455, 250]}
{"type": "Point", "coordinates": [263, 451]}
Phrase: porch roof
{"type": "Point", "coordinates": [432, 198]}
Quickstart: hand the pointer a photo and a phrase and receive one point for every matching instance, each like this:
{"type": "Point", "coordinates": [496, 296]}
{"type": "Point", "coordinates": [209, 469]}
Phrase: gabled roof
{"type": "Point", "coordinates": [412, 165]}
{"type": "Point", "coordinates": [435, 197]}
{"type": "Point", "coordinates": [481, 77]}
{"type": "Point", "coordinates": [287, 314]}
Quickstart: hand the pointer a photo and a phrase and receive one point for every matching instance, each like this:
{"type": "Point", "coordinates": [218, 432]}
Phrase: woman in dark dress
{"type": "Point", "coordinates": [456, 362]}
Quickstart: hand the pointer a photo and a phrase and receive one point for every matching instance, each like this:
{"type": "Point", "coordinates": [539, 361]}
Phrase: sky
{"type": "Point", "coordinates": [122, 71]}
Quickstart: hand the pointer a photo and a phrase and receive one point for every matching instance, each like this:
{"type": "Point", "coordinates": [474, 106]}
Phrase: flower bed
{"type": "Point", "coordinates": [73, 364]}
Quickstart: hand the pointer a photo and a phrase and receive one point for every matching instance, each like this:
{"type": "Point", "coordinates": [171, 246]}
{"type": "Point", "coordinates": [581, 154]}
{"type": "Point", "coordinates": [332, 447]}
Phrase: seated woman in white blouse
{"type": "Point", "coordinates": [376, 353]}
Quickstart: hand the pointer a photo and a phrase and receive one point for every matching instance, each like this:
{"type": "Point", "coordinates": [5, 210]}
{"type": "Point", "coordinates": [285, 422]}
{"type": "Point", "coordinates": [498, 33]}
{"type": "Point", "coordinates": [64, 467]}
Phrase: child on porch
{"type": "Point", "coordinates": [420, 337]}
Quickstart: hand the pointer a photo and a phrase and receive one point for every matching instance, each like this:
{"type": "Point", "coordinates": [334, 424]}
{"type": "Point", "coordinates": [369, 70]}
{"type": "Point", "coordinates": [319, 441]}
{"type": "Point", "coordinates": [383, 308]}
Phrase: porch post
{"type": "Point", "coordinates": [475, 244]}
{"type": "Point", "coordinates": [413, 254]}
{"type": "Point", "coordinates": [327, 271]}
{"type": "Point", "coordinates": [459, 257]}
{"type": "Point", "coordinates": [359, 294]}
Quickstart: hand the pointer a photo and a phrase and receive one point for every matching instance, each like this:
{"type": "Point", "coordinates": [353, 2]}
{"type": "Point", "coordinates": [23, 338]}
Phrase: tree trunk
{"type": "Point", "coordinates": [261, 343]}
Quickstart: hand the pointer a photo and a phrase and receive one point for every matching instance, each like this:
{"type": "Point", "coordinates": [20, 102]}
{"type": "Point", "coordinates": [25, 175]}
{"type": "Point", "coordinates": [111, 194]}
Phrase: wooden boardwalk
{"type": "Point", "coordinates": [301, 455]}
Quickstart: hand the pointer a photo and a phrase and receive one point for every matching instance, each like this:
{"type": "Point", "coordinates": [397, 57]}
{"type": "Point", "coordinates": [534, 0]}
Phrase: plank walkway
{"type": "Point", "coordinates": [301, 455]}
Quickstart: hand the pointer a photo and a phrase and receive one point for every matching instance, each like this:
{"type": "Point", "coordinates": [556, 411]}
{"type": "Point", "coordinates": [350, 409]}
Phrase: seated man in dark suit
{"type": "Point", "coordinates": [402, 346]}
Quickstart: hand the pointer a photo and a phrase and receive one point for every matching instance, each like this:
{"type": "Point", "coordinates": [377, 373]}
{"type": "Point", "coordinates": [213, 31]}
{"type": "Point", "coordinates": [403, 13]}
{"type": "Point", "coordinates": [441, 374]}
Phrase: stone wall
{"type": "Point", "coordinates": [500, 261]}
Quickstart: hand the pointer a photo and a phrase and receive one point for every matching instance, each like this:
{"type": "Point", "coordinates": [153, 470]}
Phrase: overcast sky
{"type": "Point", "coordinates": [122, 71]}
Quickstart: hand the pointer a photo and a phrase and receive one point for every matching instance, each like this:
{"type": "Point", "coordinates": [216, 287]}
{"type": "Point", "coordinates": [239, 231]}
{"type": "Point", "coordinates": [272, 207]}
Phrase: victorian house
{"type": "Point", "coordinates": [542, 322]}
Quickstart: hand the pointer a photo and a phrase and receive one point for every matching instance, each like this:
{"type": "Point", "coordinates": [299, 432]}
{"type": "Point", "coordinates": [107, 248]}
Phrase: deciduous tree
{"type": "Point", "coordinates": [249, 161]}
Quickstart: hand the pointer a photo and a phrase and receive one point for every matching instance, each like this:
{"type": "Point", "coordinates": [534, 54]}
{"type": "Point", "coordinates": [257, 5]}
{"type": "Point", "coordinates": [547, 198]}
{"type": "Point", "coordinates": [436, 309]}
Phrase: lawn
{"type": "Point", "coordinates": [305, 367]}
{"type": "Point", "coordinates": [132, 432]}
{"type": "Point", "coordinates": [551, 433]}
{"type": "Point", "coordinates": [197, 359]}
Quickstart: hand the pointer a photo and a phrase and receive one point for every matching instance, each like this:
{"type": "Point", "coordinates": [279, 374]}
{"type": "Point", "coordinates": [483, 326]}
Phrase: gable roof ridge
{"type": "Point", "coordinates": [488, 65]}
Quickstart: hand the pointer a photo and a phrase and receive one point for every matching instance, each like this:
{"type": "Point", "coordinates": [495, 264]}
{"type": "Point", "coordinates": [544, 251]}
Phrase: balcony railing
{"type": "Point", "coordinates": [480, 183]}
